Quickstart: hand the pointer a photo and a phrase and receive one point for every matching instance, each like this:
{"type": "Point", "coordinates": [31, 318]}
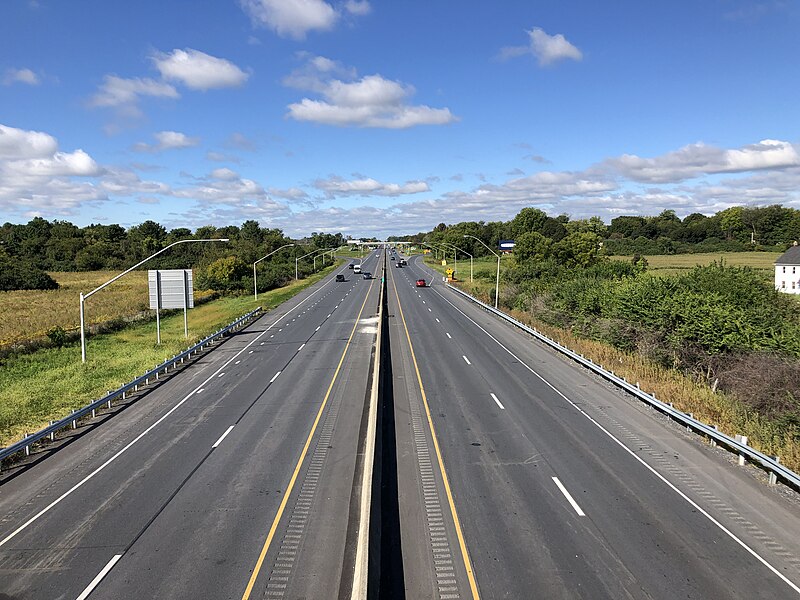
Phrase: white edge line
{"type": "Point", "coordinates": [639, 459]}
{"type": "Point", "coordinates": [500, 404]}
{"type": "Point", "coordinates": [96, 581]}
{"type": "Point", "coordinates": [569, 497]}
{"type": "Point", "coordinates": [120, 452]}
{"type": "Point", "coordinates": [274, 377]}
{"type": "Point", "coordinates": [301, 347]}
{"type": "Point", "coordinates": [222, 437]}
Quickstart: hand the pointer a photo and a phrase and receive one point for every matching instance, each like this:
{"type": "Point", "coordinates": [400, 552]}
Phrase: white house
{"type": "Point", "coordinates": [787, 271]}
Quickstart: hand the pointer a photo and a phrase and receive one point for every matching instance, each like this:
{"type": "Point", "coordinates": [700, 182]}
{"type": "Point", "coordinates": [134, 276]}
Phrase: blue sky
{"type": "Point", "coordinates": [380, 118]}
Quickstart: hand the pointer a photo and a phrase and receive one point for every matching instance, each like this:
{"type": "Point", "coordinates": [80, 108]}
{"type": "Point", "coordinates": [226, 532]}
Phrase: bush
{"type": "Point", "coordinates": [20, 275]}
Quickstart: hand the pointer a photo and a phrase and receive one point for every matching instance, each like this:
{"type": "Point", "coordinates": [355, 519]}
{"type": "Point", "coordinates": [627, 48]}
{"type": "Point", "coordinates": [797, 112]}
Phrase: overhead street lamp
{"type": "Point", "coordinates": [255, 277]}
{"type": "Point", "coordinates": [322, 256]}
{"type": "Point", "coordinates": [497, 284]}
{"type": "Point", "coordinates": [464, 252]}
{"type": "Point", "coordinates": [298, 259]}
{"type": "Point", "coordinates": [444, 249]}
{"type": "Point", "coordinates": [113, 279]}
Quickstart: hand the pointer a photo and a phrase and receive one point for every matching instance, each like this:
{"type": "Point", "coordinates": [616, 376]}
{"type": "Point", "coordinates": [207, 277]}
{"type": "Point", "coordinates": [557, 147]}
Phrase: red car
{"type": "Point", "coordinates": [421, 283]}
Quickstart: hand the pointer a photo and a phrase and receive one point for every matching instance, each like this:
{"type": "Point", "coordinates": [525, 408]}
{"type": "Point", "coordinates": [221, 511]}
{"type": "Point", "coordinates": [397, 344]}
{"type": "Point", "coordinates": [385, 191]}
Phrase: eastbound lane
{"type": "Point", "coordinates": [549, 501]}
{"type": "Point", "coordinates": [186, 507]}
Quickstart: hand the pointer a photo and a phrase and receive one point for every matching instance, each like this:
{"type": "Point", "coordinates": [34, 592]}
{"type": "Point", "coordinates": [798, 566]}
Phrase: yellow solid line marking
{"type": "Point", "coordinates": [462, 544]}
{"type": "Point", "coordinates": [292, 481]}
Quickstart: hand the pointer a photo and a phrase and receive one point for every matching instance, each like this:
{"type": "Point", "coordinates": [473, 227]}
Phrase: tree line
{"type": "Point", "coordinates": [28, 251]}
{"type": "Point", "coordinates": [739, 228]}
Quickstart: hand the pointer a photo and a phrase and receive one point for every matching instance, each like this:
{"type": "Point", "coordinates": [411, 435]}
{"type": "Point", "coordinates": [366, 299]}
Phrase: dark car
{"type": "Point", "coordinates": [421, 283]}
{"type": "Point", "coordinates": [367, 275]}
{"type": "Point", "coordinates": [340, 277]}
{"type": "Point", "coordinates": [350, 266]}
{"type": "Point", "coordinates": [392, 257]}
{"type": "Point", "coordinates": [398, 264]}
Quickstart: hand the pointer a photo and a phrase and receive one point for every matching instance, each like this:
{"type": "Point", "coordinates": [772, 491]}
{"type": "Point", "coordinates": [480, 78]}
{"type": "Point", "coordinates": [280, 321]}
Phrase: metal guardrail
{"type": "Point", "coordinates": [71, 421]}
{"type": "Point", "coordinates": [738, 444]}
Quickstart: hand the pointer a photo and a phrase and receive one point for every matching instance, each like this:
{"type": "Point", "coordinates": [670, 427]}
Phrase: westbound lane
{"type": "Point", "coordinates": [552, 503]}
{"type": "Point", "coordinates": [62, 525]}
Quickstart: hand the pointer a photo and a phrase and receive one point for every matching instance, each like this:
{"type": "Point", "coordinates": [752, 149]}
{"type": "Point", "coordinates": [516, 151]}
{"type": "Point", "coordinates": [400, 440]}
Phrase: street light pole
{"type": "Point", "coordinates": [497, 282]}
{"type": "Point", "coordinates": [83, 296]}
{"type": "Point", "coordinates": [464, 252]}
{"type": "Point", "coordinates": [297, 260]}
{"type": "Point", "coordinates": [255, 280]}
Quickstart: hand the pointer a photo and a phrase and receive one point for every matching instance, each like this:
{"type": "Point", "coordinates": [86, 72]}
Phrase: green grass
{"type": "Point", "coordinates": [45, 385]}
{"type": "Point", "coordinates": [675, 264]}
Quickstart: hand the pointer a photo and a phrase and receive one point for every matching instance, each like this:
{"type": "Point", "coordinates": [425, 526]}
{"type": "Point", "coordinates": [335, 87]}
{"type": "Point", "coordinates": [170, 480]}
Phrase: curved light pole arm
{"type": "Point", "coordinates": [255, 280]}
{"type": "Point", "coordinates": [298, 259]}
{"type": "Point", "coordinates": [83, 296]}
{"type": "Point", "coordinates": [497, 282]}
{"type": "Point", "coordinates": [463, 252]}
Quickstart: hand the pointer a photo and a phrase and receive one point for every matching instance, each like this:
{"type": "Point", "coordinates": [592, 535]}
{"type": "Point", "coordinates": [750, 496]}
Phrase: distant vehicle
{"type": "Point", "coordinates": [399, 265]}
{"type": "Point", "coordinates": [403, 262]}
{"type": "Point", "coordinates": [367, 275]}
{"type": "Point", "coordinates": [350, 266]}
{"type": "Point", "coordinates": [357, 269]}
{"type": "Point", "coordinates": [392, 257]}
{"type": "Point", "coordinates": [340, 277]}
{"type": "Point", "coordinates": [421, 283]}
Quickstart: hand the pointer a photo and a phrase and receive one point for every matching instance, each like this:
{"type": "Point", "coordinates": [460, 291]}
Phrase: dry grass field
{"type": "Point", "coordinates": [29, 314]}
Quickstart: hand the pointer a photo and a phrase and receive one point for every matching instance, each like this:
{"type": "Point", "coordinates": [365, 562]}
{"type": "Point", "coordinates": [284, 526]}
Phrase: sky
{"type": "Point", "coordinates": [379, 117]}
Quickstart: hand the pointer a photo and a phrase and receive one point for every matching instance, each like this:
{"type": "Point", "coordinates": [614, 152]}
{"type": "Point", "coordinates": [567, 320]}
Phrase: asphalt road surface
{"type": "Point", "coordinates": [528, 477]}
{"type": "Point", "coordinates": [231, 480]}
{"type": "Point", "coordinates": [514, 473]}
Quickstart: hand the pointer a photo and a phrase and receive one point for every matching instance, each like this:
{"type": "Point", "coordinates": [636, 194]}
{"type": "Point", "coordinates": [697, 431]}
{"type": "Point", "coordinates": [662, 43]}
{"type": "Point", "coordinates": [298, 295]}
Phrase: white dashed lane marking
{"type": "Point", "coordinates": [466, 360]}
{"type": "Point", "coordinates": [500, 404]}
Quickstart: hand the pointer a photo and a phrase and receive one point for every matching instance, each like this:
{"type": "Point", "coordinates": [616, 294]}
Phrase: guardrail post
{"type": "Point", "coordinates": [74, 421]}
{"type": "Point", "coordinates": [743, 440]}
{"type": "Point", "coordinates": [712, 440]}
{"type": "Point", "coordinates": [108, 404]}
{"type": "Point", "coordinates": [688, 427]}
{"type": "Point", "coordinates": [27, 447]}
{"type": "Point", "coordinates": [52, 433]}
{"type": "Point", "coordinates": [773, 477]}
{"type": "Point", "coordinates": [94, 413]}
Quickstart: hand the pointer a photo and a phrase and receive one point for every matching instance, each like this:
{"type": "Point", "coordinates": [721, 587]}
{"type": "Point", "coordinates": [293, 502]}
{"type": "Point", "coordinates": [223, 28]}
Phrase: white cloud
{"type": "Point", "coordinates": [221, 157]}
{"type": "Point", "coordinates": [240, 141]}
{"type": "Point", "coordinates": [224, 174]}
{"type": "Point", "coordinates": [548, 49]}
{"type": "Point", "coordinates": [371, 101]}
{"type": "Point", "coordinates": [197, 70]}
{"type": "Point", "coordinates": [696, 160]}
{"type": "Point", "coordinates": [168, 140]}
{"type": "Point", "coordinates": [291, 18]}
{"type": "Point", "coordinates": [38, 179]}
{"type": "Point", "coordinates": [336, 186]}
{"type": "Point", "coordinates": [25, 76]}
{"type": "Point", "coordinates": [20, 143]}
{"type": "Point", "coordinates": [358, 7]}
{"type": "Point", "coordinates": [124, 94]}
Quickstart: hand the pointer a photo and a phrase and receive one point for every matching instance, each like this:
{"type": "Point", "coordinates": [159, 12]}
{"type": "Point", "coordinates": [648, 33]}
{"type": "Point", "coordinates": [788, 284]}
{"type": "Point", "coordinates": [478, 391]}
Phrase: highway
{"type": "Point", "coordinates": [507, 472]}
{"type": "Point", "coordinates": [226, 481]}
{"type": "Point", "coordinates": [544, 482]}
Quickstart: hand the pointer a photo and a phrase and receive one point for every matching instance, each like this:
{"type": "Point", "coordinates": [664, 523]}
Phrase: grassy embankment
{"type": "Point", "coordinates": [45, 385]}
{"type": "Point", "coordinates": [730, 415]}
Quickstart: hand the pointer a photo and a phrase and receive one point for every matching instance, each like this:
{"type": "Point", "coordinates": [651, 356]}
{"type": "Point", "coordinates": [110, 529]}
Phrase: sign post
{"type": "Point", "coordinates": [172, 288]}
